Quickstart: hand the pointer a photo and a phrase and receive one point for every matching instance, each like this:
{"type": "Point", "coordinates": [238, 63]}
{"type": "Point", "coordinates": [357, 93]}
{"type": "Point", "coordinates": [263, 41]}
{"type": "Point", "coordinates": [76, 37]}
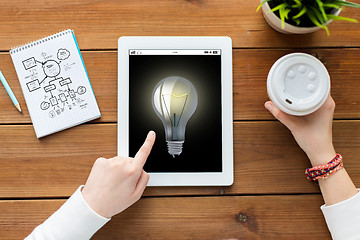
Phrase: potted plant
{"type": "Point", "coordinates": [303, 16]}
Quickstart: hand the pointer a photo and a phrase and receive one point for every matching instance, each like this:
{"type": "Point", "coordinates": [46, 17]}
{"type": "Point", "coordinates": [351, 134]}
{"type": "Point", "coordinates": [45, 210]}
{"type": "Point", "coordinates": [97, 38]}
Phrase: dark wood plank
{"type": "Point", "coordinates": [267, 160]}
{"type": "Point", "coordinates": [251, 68]}
{"type": "Point", "coordinates": [268, 217]}
{"type": "Point", "coordinates": [250, 72]}
{"type": "Point", "coordinates": [99, 24]}
{"type": "Point", "coordinates": [52, 165]}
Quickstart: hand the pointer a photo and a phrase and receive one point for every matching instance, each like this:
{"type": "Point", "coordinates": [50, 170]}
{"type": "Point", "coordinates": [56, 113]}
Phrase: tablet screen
{"type": "Point", "coordinates": [176, 93]}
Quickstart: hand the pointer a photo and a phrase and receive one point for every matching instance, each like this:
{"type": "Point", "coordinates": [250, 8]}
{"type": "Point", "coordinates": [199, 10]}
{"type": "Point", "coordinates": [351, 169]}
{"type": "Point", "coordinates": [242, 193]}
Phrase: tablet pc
{"type": "Point", "coordinates": [180, 87]}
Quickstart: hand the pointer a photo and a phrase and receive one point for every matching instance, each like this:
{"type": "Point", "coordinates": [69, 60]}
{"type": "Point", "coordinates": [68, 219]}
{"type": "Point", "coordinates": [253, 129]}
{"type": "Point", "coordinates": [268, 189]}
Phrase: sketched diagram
{"type": "Point", "coordinates": [59, 91]}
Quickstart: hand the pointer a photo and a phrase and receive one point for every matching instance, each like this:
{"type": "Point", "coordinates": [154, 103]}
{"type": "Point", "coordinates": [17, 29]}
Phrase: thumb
{"type": "Point", "coordinates": [284, 118]}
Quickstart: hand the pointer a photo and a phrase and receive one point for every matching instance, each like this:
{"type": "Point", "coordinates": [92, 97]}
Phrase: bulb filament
{"type": "Point", "coordinates": [175, 106]}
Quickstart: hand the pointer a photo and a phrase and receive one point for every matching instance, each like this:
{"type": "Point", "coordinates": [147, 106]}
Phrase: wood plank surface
{"type": "Point", "coordinates": [268, 217]}
{"type": "Point", "coordinates": [249, 82]}
{"type": "Point", "coordinates": [251, 67]}
{"type": "Point", "coordinates": [98, 24]}
{"type": "Point", "coordinates": [266, 160]}
{"type": "Point", "coordinates": [270, 189]}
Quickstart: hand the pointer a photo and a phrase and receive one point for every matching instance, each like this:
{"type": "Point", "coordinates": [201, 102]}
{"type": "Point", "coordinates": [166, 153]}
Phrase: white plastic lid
{"type": "Point", "coordinates": [298, 84]}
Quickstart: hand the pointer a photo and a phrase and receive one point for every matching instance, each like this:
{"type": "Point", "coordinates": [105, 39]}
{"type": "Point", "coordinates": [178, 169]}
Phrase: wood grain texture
{"type": "Point", "coordinates": [266, 160]}
{"type": "Point", "coordinates": [268, 217]}
{"type": "Point", "coordinates": [98, 24]}
{"type": "Point", "coordinates": [33, 167]}
{"type": "Point", "coordinates": [251, 67]}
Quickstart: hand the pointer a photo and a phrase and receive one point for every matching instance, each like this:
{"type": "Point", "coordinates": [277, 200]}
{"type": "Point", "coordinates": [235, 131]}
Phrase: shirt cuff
{"type": "Point", "coordinates": [75, 219]}
{"type": "Point", "coordinates": [343, 218]}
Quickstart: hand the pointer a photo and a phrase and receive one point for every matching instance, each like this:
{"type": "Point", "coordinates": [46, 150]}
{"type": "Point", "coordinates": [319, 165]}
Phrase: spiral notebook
{"type": "Point", "coordinates": [55, 83]}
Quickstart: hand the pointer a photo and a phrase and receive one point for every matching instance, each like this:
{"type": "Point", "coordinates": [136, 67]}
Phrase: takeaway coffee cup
{"type": "Point", "coordinates": [298, 84]}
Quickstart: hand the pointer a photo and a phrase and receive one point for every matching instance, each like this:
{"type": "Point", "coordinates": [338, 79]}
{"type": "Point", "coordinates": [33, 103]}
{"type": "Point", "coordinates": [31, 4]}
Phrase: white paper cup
{"type": "Point", "coordinates": [298, 84]}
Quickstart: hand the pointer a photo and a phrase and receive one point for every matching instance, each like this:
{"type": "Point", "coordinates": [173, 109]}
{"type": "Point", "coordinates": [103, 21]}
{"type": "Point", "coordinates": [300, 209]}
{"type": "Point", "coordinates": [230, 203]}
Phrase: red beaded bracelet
{"type": "Point", "coordinates": [324, 171]}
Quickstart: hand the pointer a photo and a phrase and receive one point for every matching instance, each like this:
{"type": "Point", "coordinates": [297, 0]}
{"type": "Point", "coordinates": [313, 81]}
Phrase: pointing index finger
{"type": "Point", "coordinates": [144, 151]}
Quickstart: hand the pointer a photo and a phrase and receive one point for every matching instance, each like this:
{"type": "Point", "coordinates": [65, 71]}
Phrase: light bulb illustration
{"type": "Point", "coordinates": [174, 100]}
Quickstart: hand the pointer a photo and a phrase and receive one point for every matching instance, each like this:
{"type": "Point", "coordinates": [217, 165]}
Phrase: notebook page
{"type": "Point", "coordinates": [55, 83]}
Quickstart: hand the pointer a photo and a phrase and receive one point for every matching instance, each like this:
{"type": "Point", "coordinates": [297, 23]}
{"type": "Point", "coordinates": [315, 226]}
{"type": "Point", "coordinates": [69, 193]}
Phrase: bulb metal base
{"type": "Point", "coordinates": [175, 147]}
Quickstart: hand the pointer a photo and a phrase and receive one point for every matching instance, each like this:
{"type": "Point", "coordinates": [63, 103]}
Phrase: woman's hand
{"type": "Point", "coordinates": [115, 184]}
{"type": "Point", "coordinates": [312, 132]}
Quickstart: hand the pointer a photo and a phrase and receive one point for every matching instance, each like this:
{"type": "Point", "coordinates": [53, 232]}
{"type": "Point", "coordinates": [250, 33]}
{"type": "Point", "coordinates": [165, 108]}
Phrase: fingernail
{"type": "Point", "coordinates": [268, 106]}
{"type": "Point", "coordinates": [151, 133]}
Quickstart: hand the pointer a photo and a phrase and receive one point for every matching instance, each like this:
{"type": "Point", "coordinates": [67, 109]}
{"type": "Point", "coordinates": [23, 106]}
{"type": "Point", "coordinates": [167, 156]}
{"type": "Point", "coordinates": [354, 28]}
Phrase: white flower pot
{"type": "Point", "coordinates": [275, 22]}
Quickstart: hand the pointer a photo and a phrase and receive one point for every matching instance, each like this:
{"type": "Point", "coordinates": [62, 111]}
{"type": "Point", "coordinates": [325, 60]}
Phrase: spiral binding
{"type": "Point", "coordinates": [39, 41]}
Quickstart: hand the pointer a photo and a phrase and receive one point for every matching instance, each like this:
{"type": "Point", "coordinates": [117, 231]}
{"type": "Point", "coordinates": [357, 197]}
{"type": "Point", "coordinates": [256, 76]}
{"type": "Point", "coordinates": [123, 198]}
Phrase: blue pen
{"type": "Point", "coordinates": [10, 92]}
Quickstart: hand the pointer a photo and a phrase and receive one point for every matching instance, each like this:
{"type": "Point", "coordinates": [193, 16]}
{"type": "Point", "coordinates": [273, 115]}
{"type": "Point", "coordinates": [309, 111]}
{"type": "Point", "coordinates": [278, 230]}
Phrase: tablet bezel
{"type": "Point", "coordinates": [224, 178]}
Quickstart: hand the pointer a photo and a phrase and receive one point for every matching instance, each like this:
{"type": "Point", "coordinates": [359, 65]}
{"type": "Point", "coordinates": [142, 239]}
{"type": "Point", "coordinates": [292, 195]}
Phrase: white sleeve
{"type": "Point", "coordinates": [75, 219]}
{"type": "Point", "coordinates": [343, 218]}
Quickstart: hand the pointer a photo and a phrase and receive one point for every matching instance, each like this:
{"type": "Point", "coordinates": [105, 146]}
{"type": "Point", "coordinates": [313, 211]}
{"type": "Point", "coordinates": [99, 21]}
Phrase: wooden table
{"type": "Point", "coordinates": [270, 198]}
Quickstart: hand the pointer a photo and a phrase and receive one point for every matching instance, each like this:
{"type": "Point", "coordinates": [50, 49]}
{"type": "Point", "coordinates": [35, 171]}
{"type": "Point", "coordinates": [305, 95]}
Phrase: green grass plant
{"type": "Point", "coordinates": [318, 12]}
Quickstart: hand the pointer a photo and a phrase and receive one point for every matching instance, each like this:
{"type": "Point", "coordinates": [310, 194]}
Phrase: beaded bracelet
{"type": "Point", "coordinates": [324, 171]}
{"type": "Point", "coordinates": [338, 167]}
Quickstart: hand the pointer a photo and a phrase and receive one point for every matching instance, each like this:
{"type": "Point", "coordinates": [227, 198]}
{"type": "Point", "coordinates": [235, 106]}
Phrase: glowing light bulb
{"type": "Point", "coordinates": [174, 100]}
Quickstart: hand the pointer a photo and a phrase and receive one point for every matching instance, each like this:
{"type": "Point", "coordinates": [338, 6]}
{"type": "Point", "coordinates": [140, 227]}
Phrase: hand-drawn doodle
{"type": "Point", "coordinates": [63, 54]}
{"type": "Point", "coordinates": [62, 97]}
{"type": "Point", "coordinates": [53, 101]}
{"type": "Point", "coordinates": [81, 90]}
{"type": "Point", "coordinates": [52, 114]}
{"type": "Point", "coordinates": [33, 85]}
{"type": "Point", "coordinates": [49, 87]}
{"type": "Point", "coordinates": [29, 63]}
{"type": "Point", "coordinates": [44, 105]}
{"type": "Point", "coordinates": [51, 68]}
{"type": "Point", "coordinates": [65, 82]}
{"type": "Point", "coordinates": [34, 74]}
{"type": "Point", "coordinates": [58, 88]}
{"type": "Point", "coordinates": [72, 94]}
